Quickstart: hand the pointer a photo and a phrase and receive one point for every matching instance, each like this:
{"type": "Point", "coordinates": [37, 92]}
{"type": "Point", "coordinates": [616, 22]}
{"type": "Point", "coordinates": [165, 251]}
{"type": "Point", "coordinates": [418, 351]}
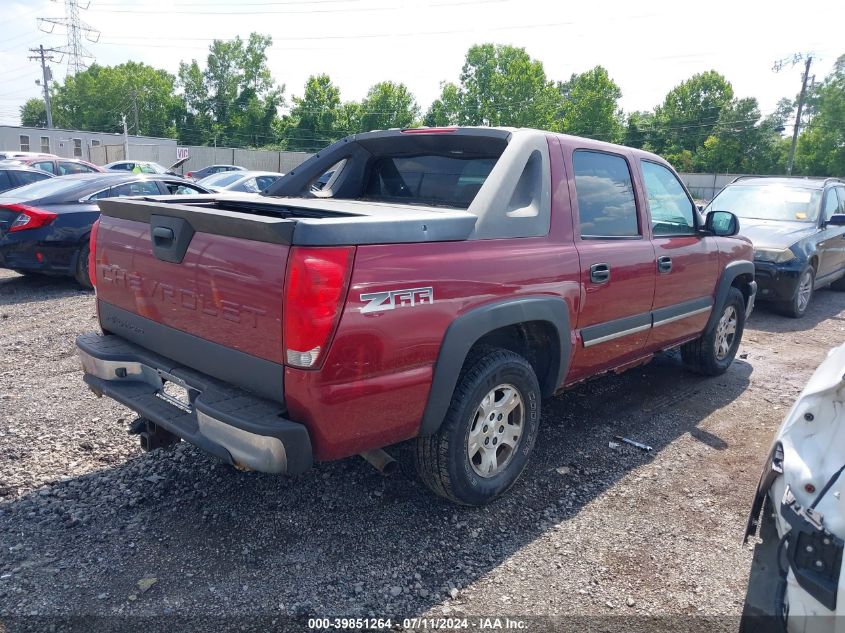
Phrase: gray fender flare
{"type": "Point", "coordinates": [731, 272]}
{"type": "Point", "coordinates": [471, 326]}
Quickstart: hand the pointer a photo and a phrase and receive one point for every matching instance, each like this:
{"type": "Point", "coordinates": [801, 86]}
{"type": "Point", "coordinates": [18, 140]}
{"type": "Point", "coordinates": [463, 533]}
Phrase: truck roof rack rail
{"type": "Point", "coordinates": [822, 178]}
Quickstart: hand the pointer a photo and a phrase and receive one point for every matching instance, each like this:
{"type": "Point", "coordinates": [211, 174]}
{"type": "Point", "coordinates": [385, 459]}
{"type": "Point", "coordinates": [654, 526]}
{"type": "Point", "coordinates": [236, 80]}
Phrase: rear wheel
{"type": "Point", "coordinates": [483, 445]}
{"type": "Point", "coordinates": [713, 352]}
{"type": "Point", "coordinates": [81, 274]}
{"type": "Point", "coordinates": [797, 306]}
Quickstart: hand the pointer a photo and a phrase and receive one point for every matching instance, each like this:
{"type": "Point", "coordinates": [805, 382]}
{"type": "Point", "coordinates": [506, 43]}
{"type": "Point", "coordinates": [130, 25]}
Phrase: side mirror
{"type": "Point", "coordinates": [721, 223]}
{"type": "Point", "coordinates": [837, 219]}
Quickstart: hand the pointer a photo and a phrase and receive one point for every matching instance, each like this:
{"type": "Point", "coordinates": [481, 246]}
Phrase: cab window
{"type": "Point", "coordinates": [605, 193]}
{"type": "Point", "coordinates": [671, 209]}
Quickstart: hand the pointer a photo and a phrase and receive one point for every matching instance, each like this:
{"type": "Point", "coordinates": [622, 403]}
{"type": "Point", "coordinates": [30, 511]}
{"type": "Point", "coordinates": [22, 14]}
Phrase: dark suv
{"type": "Point", "coordinates": [797, 226]}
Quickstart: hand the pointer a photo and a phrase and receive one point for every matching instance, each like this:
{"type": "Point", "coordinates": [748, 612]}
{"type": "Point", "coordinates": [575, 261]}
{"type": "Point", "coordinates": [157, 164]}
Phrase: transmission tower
{"type": "Point", "coordinates": [77, 31]}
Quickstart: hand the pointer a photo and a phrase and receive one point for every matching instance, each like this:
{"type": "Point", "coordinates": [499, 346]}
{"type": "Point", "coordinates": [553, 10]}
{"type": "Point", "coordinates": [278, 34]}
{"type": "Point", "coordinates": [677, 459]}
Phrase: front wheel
{"type": "Point", "coordinates": [713, 352]}
{"type": "Point", "coordinates": [484, 442]}
{"type": "Point", "coordinates": [797, 306]}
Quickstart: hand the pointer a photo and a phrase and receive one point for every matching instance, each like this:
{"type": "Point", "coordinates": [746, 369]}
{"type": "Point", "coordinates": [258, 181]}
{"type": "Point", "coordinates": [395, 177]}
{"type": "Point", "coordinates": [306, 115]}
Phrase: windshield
{"type": "Point", "coordinates": [774, 201]}
{"type": "Point", "coordinates": [42, 189]}
{"type": "Point", "coordinates": [222, 179]}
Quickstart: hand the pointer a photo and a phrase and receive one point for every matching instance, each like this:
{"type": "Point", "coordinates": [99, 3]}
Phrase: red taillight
{"type": "Point", "coordinates": [92, 252]}
{"type": "Point", "coordinates": [315, 289]}
{"type": "Point", "coordinates": [190, 174]}
{"type": "Point", "coordinates": [29, 217]}
{"type": "Point", "coordinates": [430, 130]}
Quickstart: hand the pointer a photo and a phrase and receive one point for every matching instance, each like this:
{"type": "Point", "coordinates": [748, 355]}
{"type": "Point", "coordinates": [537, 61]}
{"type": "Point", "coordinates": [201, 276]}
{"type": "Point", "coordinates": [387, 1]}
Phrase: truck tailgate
{"type": "Point", "coordinates": [227, 289]}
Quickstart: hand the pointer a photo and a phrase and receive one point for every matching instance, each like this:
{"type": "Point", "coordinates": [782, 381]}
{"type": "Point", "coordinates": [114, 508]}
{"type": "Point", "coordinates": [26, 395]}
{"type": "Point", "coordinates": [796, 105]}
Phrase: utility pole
{"type": "Point", "coordinates": [125, 139]}
{"type": "Point", "coordinates": [797, 127]}
{"type": "Point", "coordinates": [135, 110]}
{"type": "Point", "coordinates": [41, 54]}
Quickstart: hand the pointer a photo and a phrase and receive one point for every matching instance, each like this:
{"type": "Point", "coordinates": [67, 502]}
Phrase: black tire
{"type": "Point", "coordinates": [443, 459]}
{"type": "Point", "coordinates": [81, 273]}
{"type": "Point", "coordinates": [797, 307]}
{"type": "Point", "coordinates": [701, 355]}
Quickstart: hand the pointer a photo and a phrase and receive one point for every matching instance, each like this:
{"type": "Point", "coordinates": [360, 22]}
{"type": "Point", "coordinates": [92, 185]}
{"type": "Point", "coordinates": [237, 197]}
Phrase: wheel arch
{"type": "Point", "coordinates": [737, 274]}
{"type": "Point", "coordinates": [523, 325]}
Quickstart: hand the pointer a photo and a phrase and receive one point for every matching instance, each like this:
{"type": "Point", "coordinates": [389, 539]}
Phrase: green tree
{"type": "Point", "coordinates": [690, 112]}
{"type": "Point", "coordinates": [444, 111]}
{"type": "Point", "coordinates": [640, 130]}
{"type": "Point", "coordinates": [499, 85]}
{"type": "Point", "coordinates": [821, 146]}
{"type": "Point", "coordinates": [234, 100]}
{"type": "Point", "coordinates": [591, 106]}
{"type": "Point", "coordinates": [315, 119]}
{"type": "Point", "coordinates": [388, 105]}
{"type": "Point", "coordinates": [34, 113]}
{"type": "Point", "coordinates": [96, 98]}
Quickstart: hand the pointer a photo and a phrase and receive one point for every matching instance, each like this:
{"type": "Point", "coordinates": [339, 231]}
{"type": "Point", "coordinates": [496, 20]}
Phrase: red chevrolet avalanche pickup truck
{"type": "Point", "coordinates": [436, 288]}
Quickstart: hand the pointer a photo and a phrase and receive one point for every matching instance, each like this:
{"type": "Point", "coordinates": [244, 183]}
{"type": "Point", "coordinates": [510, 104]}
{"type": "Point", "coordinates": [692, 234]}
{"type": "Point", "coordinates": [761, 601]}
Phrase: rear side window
{"type": "Point", "coordinates": [144, 188]}
{"type": "Point", "coordinates": [26, 177]}
{"type": "Point", "coordinates": [605, 192]}
{"type": "Point", "coordinates": [5, 181]}
{"type": "Point", "coordinates": [45, 166]}
{"type": "Point", "coordinates": [72, 168]}
{"type": "Point", "coordinates": [841, 192]}
{"type": "Point", "coordinates": [671, 209]}
{"type": "Point", "coordinates": [265, 181]}
{"type": "Point", "coordinates": [182, 188]}
{"type": "Point", "coordinates": [428, 179]}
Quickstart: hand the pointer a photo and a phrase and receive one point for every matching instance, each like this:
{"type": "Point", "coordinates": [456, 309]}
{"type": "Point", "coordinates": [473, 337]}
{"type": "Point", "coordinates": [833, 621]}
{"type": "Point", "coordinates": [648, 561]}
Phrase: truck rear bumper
{"type": "Point", "coordinates": [238, 427]}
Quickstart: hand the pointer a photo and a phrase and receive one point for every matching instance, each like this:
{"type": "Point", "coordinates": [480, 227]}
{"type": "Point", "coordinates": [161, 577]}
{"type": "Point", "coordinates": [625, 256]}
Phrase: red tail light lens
{"type": "Point", "coordinates": [315, 290]}
{"type": "Point", "coordinates": [29, 217]}
{"type": "Point", "coordinates": [189, 174]}
{"type": "Point", "coordinates": [92, 253]}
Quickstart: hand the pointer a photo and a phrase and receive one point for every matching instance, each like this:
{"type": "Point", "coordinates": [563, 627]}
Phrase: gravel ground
{"type": "Point", "coordinates": [87, 520]}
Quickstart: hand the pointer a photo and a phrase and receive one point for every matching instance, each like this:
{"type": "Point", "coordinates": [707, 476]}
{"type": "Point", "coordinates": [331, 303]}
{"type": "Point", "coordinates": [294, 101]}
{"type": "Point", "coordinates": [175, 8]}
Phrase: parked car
{"type": "Point", "coordinates": [44, 226]}
{"type": "Point", "coordinates": [797, 226]}
{"type": "Point", "coordinates": [59, 166]}
{"type": "Point", "coordinates": [13, 153]}
{"type": "Point", "coordinates": [146, 167]}
{"type": "Point", "coordinates": [199, 174]}
{"type": "Point", "coordinates": [447, 282]}
{"type": "Point", "coordinates": [241, 181]}
{"type": "Point", "coordinates": [796, 572]}
{"type": "Point", "coordinates": [13, 176]}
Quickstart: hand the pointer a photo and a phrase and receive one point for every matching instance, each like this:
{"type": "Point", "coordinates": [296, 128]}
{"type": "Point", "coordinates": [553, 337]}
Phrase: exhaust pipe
{"type": "Point", "coordinates": [381, 461]}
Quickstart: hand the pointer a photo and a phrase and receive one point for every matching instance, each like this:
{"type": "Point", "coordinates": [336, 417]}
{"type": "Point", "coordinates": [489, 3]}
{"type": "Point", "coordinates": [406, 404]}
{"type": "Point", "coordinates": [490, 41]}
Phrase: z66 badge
{"type": "Point", "coordinates": [392, 299]}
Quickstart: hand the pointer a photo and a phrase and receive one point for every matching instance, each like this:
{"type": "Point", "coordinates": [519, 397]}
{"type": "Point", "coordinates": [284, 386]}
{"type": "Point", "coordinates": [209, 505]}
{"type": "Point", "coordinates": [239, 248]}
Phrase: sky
{"type": "Point", "coordinates": [647, 46]}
